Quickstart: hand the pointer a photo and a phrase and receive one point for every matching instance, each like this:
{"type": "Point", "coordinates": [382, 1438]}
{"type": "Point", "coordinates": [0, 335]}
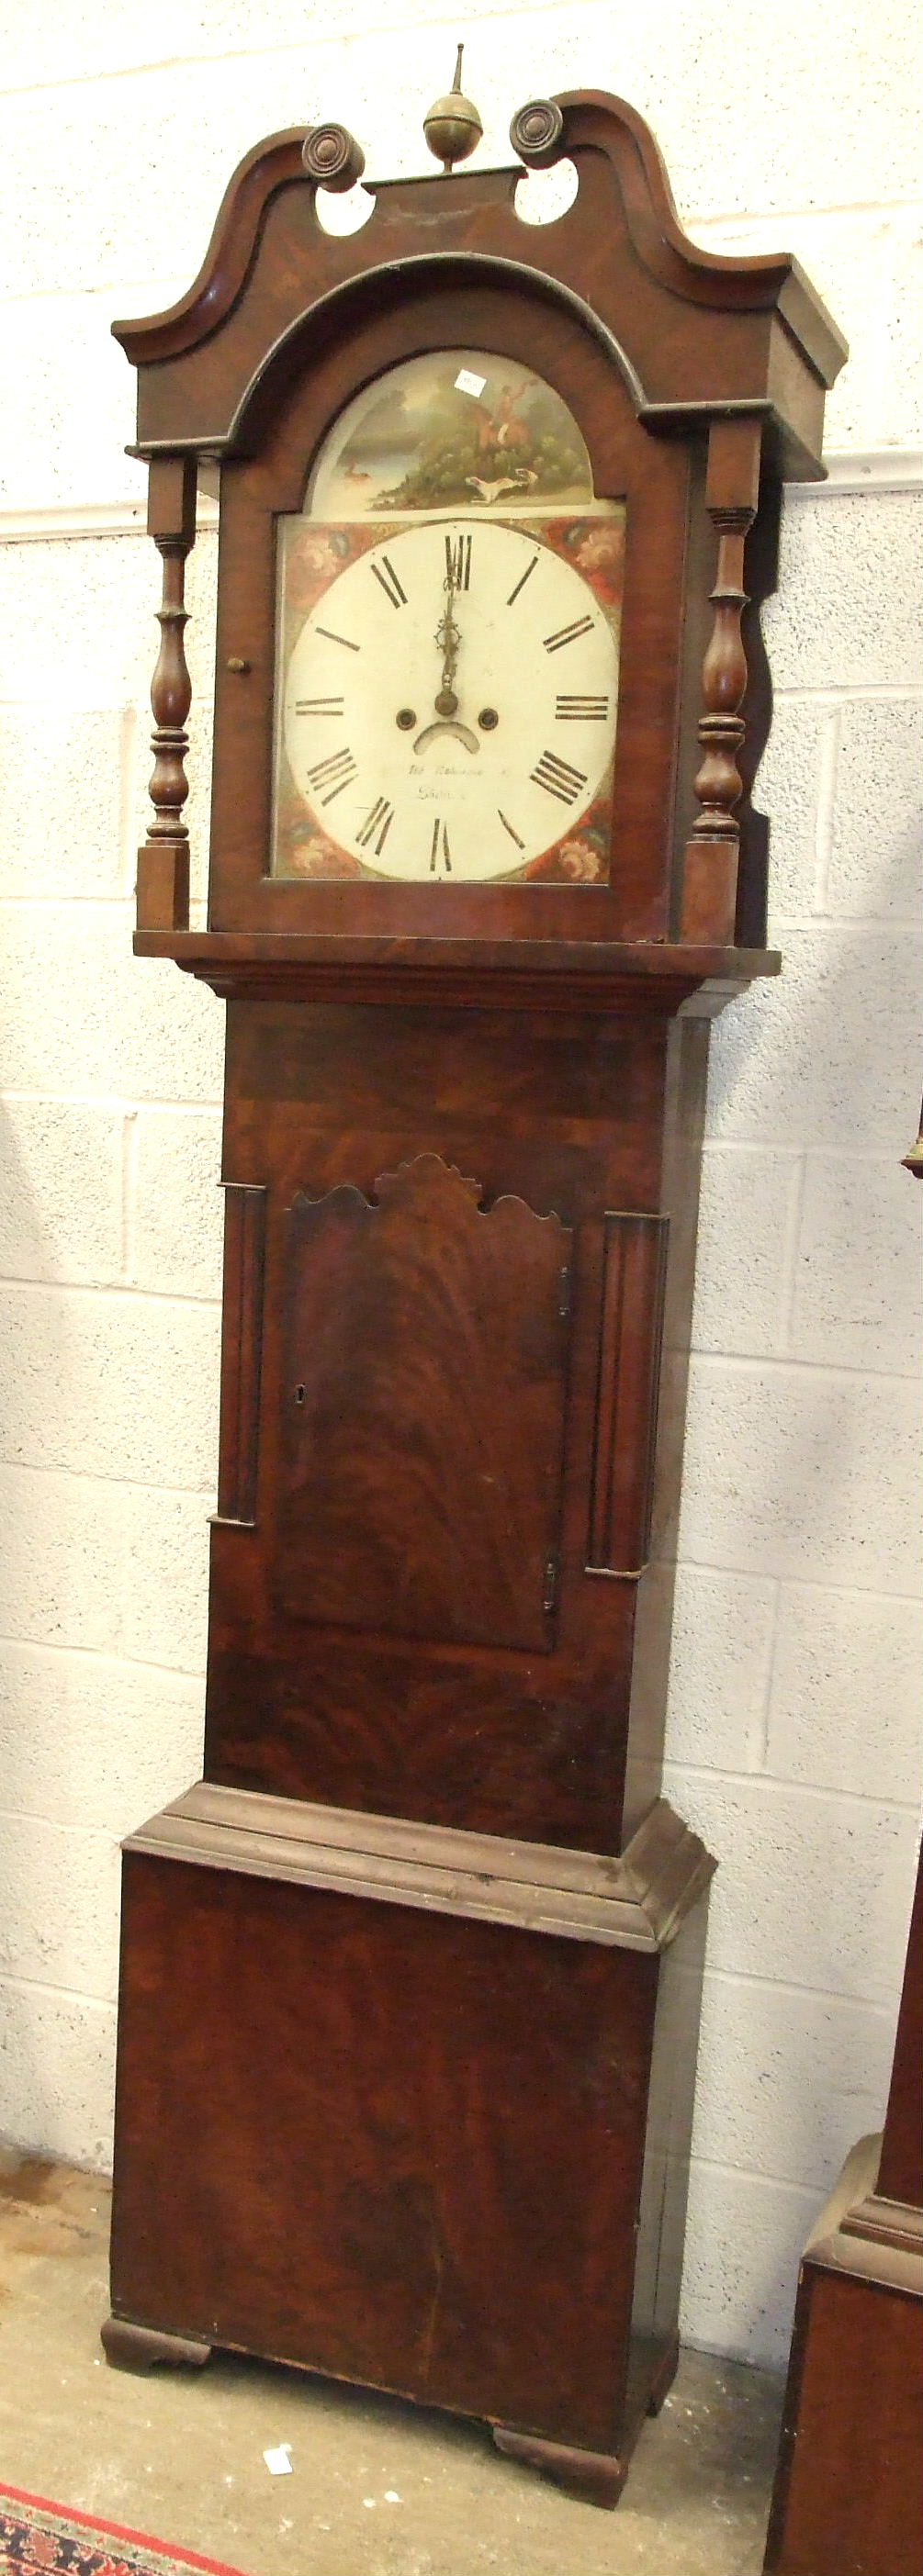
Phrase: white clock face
{"type": "Point", "coordinates": [447, 713]}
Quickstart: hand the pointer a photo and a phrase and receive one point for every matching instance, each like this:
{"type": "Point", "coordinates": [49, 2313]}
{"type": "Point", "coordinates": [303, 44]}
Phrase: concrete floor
{"type": "Point", "coordinates": [377, 2488]}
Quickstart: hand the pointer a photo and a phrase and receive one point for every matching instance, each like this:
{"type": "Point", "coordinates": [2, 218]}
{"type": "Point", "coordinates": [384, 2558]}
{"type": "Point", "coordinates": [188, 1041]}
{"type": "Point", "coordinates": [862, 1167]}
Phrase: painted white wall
{"type": "Point", "coordinates": [793, 1707]}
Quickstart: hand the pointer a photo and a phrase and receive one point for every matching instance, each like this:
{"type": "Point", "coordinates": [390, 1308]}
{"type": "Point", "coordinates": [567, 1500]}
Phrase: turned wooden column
{"type": "Point", "coordinates": [163, 862]}
{"type": "Point", "coordinates": [710, 877]}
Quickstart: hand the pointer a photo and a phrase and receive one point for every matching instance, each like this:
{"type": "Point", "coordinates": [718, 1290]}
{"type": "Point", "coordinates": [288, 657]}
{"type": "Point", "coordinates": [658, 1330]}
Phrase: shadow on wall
{"type": "Point", "coordinates": [761, 575]}
{"type": "Point", "coordinates": [799, 1534]}
{"type": "Point", "coordinates": [43, 1603]}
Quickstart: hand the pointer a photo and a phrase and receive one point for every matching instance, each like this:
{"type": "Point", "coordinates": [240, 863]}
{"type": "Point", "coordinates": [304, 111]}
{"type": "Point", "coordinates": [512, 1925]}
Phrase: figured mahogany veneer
{"type": "Point", "coordinates": [410, 1982]}
{"type": "Point", "coordinates": [423, 1414]}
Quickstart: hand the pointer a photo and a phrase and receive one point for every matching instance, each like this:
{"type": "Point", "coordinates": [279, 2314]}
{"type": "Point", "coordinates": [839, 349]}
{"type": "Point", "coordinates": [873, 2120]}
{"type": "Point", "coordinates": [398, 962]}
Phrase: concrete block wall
{"type": "Point", "coordinates": [793, 1741]}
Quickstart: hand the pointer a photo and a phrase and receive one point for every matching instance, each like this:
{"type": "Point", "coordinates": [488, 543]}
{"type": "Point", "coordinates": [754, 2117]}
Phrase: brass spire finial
{"type": "Point", "coordinates": [452, 126]}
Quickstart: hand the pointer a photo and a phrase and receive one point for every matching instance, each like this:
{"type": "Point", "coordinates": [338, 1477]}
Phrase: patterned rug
{"type": "Point", "coordinates": [42, 2539]}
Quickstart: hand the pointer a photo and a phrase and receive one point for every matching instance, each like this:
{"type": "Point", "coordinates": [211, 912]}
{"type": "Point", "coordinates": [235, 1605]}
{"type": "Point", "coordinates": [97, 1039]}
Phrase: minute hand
{"type": "Point", "coordinates": [448, 639]}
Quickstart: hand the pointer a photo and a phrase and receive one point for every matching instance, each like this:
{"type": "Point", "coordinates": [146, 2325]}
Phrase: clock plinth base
{"type": "Point", "coordinates": [847, 2486]}
{"type": "Point", "coordinates": [458, 2073]}
{"type": "Point", "coordinates": [141, 2348]}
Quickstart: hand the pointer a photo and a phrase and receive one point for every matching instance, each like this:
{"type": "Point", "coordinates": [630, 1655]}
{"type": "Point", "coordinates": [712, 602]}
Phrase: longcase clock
{"type": "Point", "coordinates": [410, 1979]}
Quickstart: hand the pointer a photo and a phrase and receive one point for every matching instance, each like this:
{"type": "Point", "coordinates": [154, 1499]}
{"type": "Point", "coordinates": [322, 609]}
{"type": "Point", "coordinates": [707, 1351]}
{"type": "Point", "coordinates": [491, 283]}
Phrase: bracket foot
{"type": "Point", "coordinates": [665, 2377]}
{"type": "Point", "coordinates": [595, 2477]}
{"type": "Point", "coordinates": [129, 2347]}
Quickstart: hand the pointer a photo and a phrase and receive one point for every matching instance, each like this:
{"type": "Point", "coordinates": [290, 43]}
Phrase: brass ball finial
{"type": "Point", "coordinates": [452, 126]}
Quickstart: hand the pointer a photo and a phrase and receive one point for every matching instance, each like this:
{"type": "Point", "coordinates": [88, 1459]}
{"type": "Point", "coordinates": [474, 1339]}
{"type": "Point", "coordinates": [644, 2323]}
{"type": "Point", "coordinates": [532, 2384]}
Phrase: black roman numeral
{"type": "Point", "coordinates": [523, 578]}
{"type": "Point", "coordinates": [329, 777]}
{"type": "Point", "coordinates": [377, 825]}
{"type": "Point", "coordinates": [458, 562]}
{"type": "Point", "coordinates": [514, 836]}
{"type": "Point", "coordinates": [575, 710]}
{"type": "Point", "coordinates": [558, 778]}
{"type": "Point", "coordinates": [330, 638]}
{"type": "Point", "coordinates": [386, 575]}
{"type": "Point", "coordinates": [318, 706]}
{"type": "Point", "coordinates": [440, 853]}
{"type": "Point", "coordinates": [567, 634]}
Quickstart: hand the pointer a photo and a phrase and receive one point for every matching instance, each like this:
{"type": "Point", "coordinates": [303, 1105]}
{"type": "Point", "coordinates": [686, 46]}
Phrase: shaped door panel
{"type": "Point", "coordinates": [423, 1411]}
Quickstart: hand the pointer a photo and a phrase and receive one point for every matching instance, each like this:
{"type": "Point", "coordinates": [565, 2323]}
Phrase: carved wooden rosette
{"type": "Point", "coordinates": [710, 881]}
{"type": "Point", "coordinates": [536, 133]}
{"type": "Point", "coordinates": [333, 158]}
{"type": "Point", "coordinates": [163, 863]}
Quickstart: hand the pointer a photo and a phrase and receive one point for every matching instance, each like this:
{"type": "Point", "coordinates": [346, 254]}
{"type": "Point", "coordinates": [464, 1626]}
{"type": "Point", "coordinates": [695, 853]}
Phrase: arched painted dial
{"type": "Point", "coordinates": [450, 702]}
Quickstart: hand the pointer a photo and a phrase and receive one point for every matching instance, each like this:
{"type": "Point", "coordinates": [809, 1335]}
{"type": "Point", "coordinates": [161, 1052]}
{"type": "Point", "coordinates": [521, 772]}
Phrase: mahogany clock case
{"type": "Point", "coordinates": [410, 1982]}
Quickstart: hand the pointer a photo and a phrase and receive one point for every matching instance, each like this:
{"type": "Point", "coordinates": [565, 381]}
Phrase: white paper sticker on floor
{"type": "Point", "coordinates": [278, 2461]}
{"type": "Point", "coordinates": [468, 383]}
